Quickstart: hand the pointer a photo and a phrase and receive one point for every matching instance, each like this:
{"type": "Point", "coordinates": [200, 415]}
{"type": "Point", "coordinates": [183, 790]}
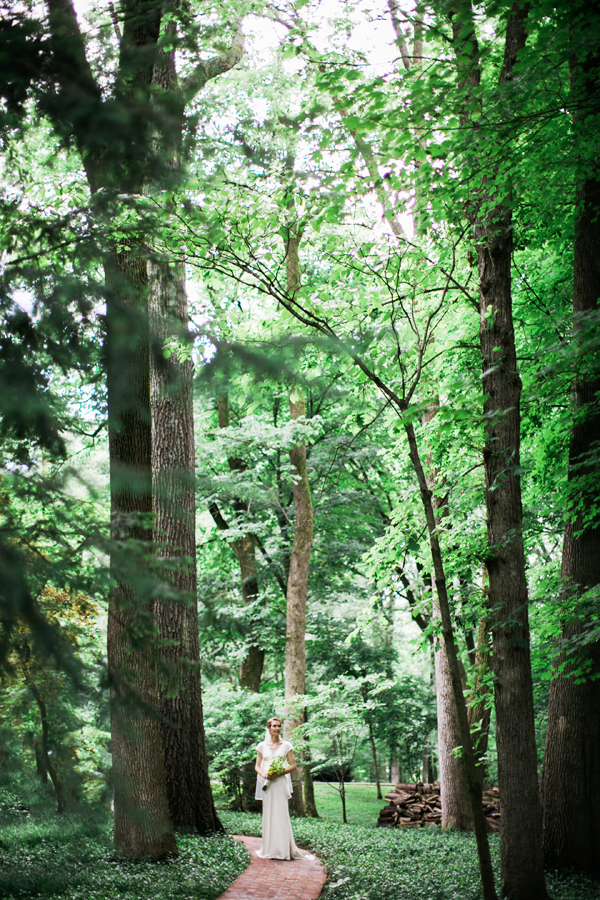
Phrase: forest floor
{"type": "Point", "coordinates": [368, 863]}
{"type": "Point", "coordinates": [44, 856]}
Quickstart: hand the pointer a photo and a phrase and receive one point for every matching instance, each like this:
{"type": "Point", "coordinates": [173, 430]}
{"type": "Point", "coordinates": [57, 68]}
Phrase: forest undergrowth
{"type": "Point", "coordinates": [412, 864]}
{"type": "Point", "coordinates": [43, 855]}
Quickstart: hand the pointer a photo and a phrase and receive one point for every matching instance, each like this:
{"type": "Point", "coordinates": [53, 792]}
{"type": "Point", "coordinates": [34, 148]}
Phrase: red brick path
{"type": "Point", "coordinates": [276, 879]}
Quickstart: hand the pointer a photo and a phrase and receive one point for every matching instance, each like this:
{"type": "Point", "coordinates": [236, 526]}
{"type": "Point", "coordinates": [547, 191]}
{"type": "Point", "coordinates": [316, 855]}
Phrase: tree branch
{"type": "Point", "coordinates": [222, 525]}
{"type": "Point", "coordinates": [421, 620]}
{"type": "Point", "coordinates": [208, 69]}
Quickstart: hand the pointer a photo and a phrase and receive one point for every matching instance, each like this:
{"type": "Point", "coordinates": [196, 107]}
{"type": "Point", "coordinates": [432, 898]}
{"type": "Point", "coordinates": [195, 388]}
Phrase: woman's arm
{"type": "Point", "coordinates": [292, 762]}
{"type": "Point", "coordinates": [257, 768]}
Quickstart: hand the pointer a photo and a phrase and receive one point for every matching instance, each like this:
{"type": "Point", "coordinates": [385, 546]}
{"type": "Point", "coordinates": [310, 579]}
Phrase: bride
{"type": "Point", "coordinates": [277, 837]}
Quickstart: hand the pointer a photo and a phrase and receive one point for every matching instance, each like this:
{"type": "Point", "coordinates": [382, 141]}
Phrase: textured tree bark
{"type": "Point", "coordinates": [297, 586]}
{"type": "Point", "coordinates": [173, 464]}
{"type": "Point", "coordinates": [375, 761]}
{"type": "Point", "coordinates": [522, 870]}
{"type": "Point", "coordinates": [479, 711]}
{"type": "Point", "coordinates": [456, 807]}
{"type": "Point", "coordinates": [190, 796]}
{"type": "Point", "coordinates": [142, 824]}
{"type": "Point", "coordinates": [310, 804]}
{"type": "Point", "coordinates": [297, 589]}
{"type": "Point", "coordinates": [521, 849]}
{"type": "Point", "coordinates": [571, 778]}
{"type": "Point", "coordinates": [454, 793]}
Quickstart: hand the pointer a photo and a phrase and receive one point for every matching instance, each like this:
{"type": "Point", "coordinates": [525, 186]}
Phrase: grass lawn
{"type": "Point", "coordinates": [362, 805]}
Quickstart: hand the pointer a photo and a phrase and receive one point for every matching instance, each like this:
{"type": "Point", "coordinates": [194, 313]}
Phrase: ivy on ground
{"type": "Point", "coordinates": [404, 864]}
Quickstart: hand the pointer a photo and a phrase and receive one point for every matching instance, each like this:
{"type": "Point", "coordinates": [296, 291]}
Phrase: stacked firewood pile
{"type": "Point", "coordinates": [415, 805]}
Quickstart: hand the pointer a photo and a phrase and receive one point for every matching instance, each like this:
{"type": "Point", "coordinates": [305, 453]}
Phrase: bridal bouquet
{"type": "Point", "coordinates": [276, 767]}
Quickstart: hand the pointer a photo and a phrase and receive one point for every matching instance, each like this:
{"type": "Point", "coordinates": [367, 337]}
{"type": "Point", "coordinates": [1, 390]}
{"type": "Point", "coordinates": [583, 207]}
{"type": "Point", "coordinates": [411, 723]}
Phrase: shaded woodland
{"type": "Point", "coordinates": [300, 414]}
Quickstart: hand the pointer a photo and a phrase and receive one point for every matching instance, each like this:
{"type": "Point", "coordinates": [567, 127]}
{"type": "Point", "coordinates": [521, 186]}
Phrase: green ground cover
{"type": "Point", "coordinates": [43, 855]}
{"type": "Point", "coordinates": [395, 864]}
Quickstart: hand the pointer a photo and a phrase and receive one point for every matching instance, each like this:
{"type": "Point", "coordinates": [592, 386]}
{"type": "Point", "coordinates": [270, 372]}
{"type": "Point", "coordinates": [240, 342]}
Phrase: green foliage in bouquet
{"type": "Point", "coordinates": [277, 766]}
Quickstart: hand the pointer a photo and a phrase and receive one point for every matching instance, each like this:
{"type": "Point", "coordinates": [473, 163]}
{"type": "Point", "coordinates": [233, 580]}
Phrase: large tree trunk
{"type": "Point", "coordinates": [297, 586]}
{"type": "Point", "coordinates": [173, 462]}
{"type": "Point", "coordinates": [447, 633]}
{"type": "Point", "coordinates": [173, 465]}
{"type": "Point", "coordinates": [142, 823]}
{"type": "Point", "coordinates": [521, 848]}
{"type": "Point", "coordinates": [456, 805]}
{"type": "Point", "coordinates": [190, 796]}
{"type": "Point", "coordinates": [454, 794]}
{"type": "Point", "coordinates": [142, 826]}
{"type": "Point", "coordinates": [571, 777]}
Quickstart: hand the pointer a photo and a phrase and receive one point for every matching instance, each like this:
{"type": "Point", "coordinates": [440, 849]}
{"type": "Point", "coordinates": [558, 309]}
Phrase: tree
{"type": "Point", "coordinates": [491, 218]}
{"type": "Point", "coordinates": [244, 548]}
{"type": "Point", "coordinates": [173, 468]}
{"type": "Point", "coordinates": [337, 721]}
{"type": "Point", "coordinates": [121, 161]}
{"type": "Point", "coordinates": [570, 785]}
{"type": "Point", "coordinates": [297, 588]}
{"type": "Point", "coordinates": [49, 727]}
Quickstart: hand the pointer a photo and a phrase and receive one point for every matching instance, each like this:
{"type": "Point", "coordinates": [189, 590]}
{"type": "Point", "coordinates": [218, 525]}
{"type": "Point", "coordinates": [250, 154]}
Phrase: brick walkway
{"type": "Point", "coordinates": [276, 879]}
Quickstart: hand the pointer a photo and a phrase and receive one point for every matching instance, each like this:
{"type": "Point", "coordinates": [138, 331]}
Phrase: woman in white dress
{"type": "Point", "coordinates": [277, 837]}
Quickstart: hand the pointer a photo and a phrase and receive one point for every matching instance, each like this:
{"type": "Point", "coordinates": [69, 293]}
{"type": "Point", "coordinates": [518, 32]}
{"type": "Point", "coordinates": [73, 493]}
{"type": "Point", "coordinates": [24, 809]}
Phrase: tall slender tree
{"type": "Point", "coordinates": [456, 811]}
{"type": "Point", "coordinates": [491, 218]}
{"type": "Point", "coordinates": [570, 787]}
{"type": "Point", "coordinates": [297, 589]}
{"type": "Point", "coordinates": [244, 547]}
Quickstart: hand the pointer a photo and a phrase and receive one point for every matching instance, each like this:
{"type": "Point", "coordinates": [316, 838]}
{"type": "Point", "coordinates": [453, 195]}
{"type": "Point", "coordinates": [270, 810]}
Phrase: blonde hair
{"type": "Point", "coordinates": [273, 719]}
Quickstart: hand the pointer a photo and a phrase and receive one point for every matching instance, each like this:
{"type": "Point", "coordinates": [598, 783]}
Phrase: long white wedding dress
{"type": "Point", "coordinates": [277, 836]}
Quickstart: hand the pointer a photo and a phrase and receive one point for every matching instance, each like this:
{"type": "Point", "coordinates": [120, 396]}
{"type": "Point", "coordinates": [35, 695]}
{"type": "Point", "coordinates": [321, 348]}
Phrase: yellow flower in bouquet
{"type": "Point", "coordinates": [276, 767]}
